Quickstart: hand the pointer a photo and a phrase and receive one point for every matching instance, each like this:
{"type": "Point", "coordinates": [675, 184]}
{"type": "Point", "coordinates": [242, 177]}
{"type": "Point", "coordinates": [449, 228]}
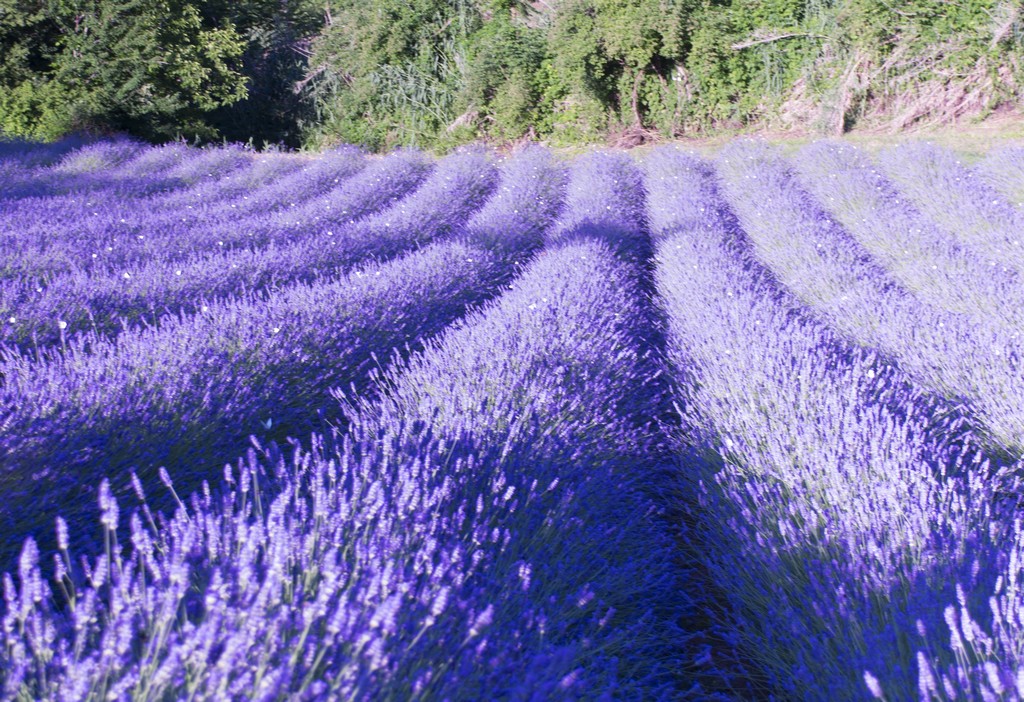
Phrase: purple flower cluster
{"type": "Point", "coordinates": [482, 528]}
{"type": "Point", "coordinates": [526, 406]}
{"type": "Point", "coordinates": [73, 167]}
{"type": "Point", "coordinates": [925, 259]}
{"type": "Point", "coordinates": [219, 260]}
{"type": "Point", "coordinates": [201, 383]}
{"type": "Point", "coordinates": [970, 359]}
{"type": "Point", "coordinates": [958, 201]}
{"type": "Point", "coordinates": [187, 394]}
{"type": "Point", "coordinates": [27, 159]}
{"type": "Point", "coordinates": [659, 428]}
{"type": "Point", "coordinates": [109, 231]}
{"type": "Point", "coordinates": [1003, 170]}
{"type": "Point", "coordinates": [843, 518]}
{"type": "Point", "coordinates": [216, 192]}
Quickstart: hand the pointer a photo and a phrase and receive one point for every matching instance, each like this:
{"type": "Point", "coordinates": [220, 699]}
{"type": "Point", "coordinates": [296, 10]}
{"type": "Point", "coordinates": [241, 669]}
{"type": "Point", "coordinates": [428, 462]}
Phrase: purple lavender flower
{"type": "Point", "coordinates": [523, 428]}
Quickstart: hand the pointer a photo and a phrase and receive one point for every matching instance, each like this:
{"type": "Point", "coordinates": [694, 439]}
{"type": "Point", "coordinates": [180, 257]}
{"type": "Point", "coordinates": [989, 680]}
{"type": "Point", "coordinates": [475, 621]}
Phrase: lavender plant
{"type": "Point", "coordinates": [106, 301]}
{"type": "Point", "coordinates": [135, 169]}
{"type": "Point", "coordinates": [84, 234]}
{"type": "Point", "coordinates": [924, 259]}
{"type": "Point", "coordinates": [609, 206]}
{"type": "Point", "coordinates": [517, 430]}
{"type": "Point", "coordinates": [153, 160]}
{"type": "Point", "coordinates": [839, 510]}
{"type": "Point", "coordinates": [32, 156]}
{"type": "Point", "coordinates": [1003, 170]}
{"type": "Point", "coordinates": [548, 387]}
{"type": "Point", "coordinates": [214, 162]}
{"type": "Point", "coordinates": [205, 382]}
{"type": "Point", "coordinates": [423, 555]}
{"type": "Point", "coordinates": [202, 383]}
{"type": "Point", "coordinates": [215, 194]}
{"type": "Point", "coordinates": [973, 364]}
{"type": "Point", "coordinates": [98, 157]}
{"type": "Point", "coordinates": [948, 192]}
{"type": "Point", "coordinates": [983, 656]}
{"type": "Point", "coordinates": [313, 177]}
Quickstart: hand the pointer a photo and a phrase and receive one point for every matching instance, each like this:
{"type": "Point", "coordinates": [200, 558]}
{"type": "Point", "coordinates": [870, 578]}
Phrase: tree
{"type": "Point", "coordinates": [623, 54]}
{"type": "Point", "coordinates": [147, 68]}
{"type": "Point", "coordinates": [28, 37]}
{"type": "Point", "coordinates": [393, 71]}
{"type": "Point", "coordinates": [278, 36]}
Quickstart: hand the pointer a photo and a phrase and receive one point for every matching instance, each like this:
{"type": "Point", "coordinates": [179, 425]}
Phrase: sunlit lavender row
{"type": "Point", "coordinates": [921, 256]}
{"type": "Point", "coordinates": [961, 202]}
{"type": "Point", "coordinates": [651, 426]}
{"type": "Point", "coordinates": [973, 359]}
{"type": "Point", "coordinates": [203, 382]}
{"type": "Point", "coordinates": [829, 490]}
{"type": "Point", "coordinates": [1003, 170]}
{"type": "Point", "coordinates": [244, 255]}
{"type": "Point", "coordinates": [106, 216]}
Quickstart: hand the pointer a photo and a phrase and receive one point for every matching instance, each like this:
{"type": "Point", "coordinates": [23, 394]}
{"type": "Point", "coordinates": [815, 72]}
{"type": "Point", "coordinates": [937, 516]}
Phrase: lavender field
{"type": "Point", "coordinates": [650, 426]}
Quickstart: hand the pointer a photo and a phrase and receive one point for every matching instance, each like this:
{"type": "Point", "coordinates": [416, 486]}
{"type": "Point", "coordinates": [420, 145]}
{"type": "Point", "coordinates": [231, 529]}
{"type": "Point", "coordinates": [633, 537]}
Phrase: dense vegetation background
{"type": "Point", "coordinates": [435, 73]}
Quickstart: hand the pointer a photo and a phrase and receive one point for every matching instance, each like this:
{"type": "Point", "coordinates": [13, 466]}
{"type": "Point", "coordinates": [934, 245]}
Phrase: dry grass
{"type": "Point", "coordinates": [972, 138]}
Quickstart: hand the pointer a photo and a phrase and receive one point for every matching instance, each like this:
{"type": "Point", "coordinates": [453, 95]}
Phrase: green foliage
{"type": "Point", "coordinates": [277, 35]}
{"type": "Point", "coordinates": [505, 79]}
{"type": "Point", "coordinates": [627, 55]}
{"type": "Point", "coordinates": [142, 67]}
{"type": "Point", "coordinates": [27, 35]}
{"type": "Point", "coordinates": [847, 58]}
{"type": "Point", "coordinates": [27, 38]}
{"type": "Point", "coordinates": [146, 68]}
{"type": "Point", "coordinates": [733, 79]}
{"type": "Point", "coordinates": [424, 72]}
{"type": "Point", "coordinates": [577, 71]}
{"type": "Point", "coordinates": [437, 73]}
{"type": "Point", "coordinates": [25, 111]}
{"type": "Point", "coordinates": [392, 72]}
{"type": "Point", "coordinates": [157, 69]}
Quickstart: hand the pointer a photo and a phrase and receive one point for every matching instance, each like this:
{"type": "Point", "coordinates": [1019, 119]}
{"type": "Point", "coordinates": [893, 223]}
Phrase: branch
{"type": "Point", "coordinates": [300, 85]}
{"type": "Point", "coordinates": [778, 37]}
{"type": "Point", "coordinates": [302, 48]}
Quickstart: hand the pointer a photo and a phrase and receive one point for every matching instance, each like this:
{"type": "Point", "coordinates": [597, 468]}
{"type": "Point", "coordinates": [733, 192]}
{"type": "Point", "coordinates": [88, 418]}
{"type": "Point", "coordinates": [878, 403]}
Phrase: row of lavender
{"type": "Point", "coordinates": [480, 529]}
{"type": "Point", "coordinates": [181, 265]}
{"type": "Point", "coordinates": [867, 544]}
{"type": "Point", "coordinates": [849, 536]}
{"type": "Point", "coordinates": [946, 315]}
{"type": "Point", "coordinates": [186, 393]}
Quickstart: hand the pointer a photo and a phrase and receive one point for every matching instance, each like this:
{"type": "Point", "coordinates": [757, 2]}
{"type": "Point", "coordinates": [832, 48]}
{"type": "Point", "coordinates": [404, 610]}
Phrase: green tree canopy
{"type": "Point", "coordinates": [437, 73]}
{"type": "Point", "coordinates": [154, 68]}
